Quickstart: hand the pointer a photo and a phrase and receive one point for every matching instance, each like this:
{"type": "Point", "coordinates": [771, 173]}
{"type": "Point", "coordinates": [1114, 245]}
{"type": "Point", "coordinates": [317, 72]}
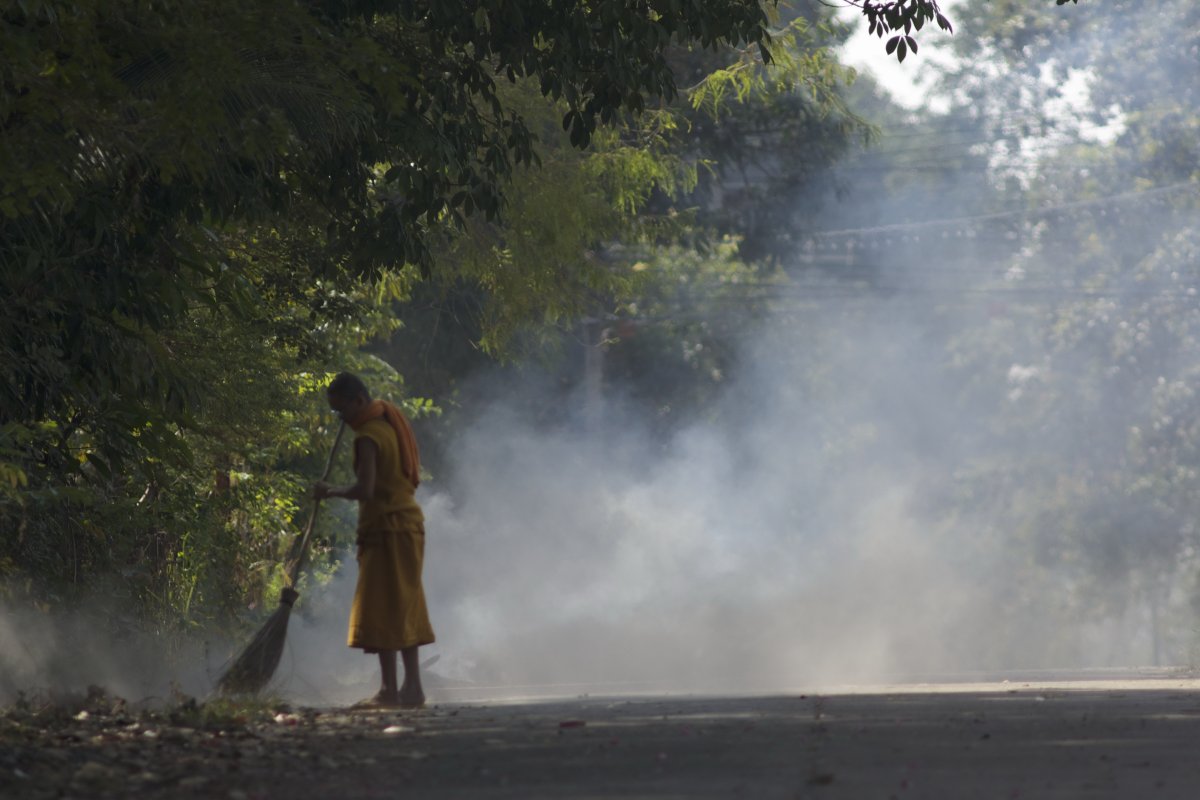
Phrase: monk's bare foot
{"type": "Point", "coordinates": [381, 700]}
{"type": "Point", "coordinates": [412, 698]}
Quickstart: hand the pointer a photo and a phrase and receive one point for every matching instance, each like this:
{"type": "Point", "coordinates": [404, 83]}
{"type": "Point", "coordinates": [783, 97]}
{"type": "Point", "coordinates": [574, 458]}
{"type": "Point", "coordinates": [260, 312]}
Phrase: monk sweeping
{"type": "Point", "coordinates": [389, 613]}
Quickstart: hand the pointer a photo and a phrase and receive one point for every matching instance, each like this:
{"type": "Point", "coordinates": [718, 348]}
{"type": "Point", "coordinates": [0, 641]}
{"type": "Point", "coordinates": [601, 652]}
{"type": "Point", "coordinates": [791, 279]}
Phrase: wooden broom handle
{"type": "Point", "coordinates": [299, 565]}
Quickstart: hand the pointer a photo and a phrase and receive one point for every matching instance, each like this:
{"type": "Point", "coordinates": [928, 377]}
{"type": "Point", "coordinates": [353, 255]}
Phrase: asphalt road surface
{"type": "Point", "coordinates": [1128, 738]}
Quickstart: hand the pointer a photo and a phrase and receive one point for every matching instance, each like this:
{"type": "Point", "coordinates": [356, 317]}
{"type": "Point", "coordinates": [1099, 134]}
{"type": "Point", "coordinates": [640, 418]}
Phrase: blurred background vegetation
{"type": "Point", "coordinates": [208, 208]}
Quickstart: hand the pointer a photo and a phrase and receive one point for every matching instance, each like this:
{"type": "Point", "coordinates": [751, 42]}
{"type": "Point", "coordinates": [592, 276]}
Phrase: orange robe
{"type": "Point", "coordinates": [389, 612]}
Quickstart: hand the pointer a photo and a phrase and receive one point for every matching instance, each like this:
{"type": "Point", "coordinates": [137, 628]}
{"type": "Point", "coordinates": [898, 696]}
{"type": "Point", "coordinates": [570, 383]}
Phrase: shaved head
{"type": "Point", "coordinates": [348, 386]}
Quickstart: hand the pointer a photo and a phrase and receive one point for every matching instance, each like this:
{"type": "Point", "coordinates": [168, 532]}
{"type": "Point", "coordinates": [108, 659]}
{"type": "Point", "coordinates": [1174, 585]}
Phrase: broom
{"type": "Point", "coordinates": [254, 667]}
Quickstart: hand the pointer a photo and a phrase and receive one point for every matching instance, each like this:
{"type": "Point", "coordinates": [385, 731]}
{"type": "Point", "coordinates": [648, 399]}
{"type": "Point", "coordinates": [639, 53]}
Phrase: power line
{"type": "Point", "coordinates": [934, 148]}
{"type": "Point", "coordinates": [961, 222]}
{"type": "Point", "coordinates": [1018, 121]}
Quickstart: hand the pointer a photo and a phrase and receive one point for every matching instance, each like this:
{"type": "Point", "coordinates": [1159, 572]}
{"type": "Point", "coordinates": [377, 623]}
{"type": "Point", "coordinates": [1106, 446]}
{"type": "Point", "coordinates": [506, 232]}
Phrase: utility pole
{"type": "Point", "coordinates": [594, 336]}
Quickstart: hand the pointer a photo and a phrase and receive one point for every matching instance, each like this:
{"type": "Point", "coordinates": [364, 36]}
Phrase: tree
{"type": "Point", "coordinates": [620, 234]}
{"type": "Point", "coordinates": [1100, 356]}
{"type": "Point", "coordinates": [135, 137]}
{"type": "Point", "coordinates": [207, 200]}
{"type": "Point", "coordinates": [197, 190]}
{"type": "Point", "coordinates": [898, 19]}
{"type": "Point", "coordinates": [765, 137]}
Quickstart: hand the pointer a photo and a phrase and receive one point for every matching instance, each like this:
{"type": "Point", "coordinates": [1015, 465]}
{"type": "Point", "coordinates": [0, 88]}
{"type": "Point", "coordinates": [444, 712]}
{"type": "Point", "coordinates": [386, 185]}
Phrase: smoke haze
{"type": "Point", "coordinates": [786, 543]}
{"type": "Point", "coordinates": [837, 516]}
{"type": "Point", "coordinates": [793, 540]}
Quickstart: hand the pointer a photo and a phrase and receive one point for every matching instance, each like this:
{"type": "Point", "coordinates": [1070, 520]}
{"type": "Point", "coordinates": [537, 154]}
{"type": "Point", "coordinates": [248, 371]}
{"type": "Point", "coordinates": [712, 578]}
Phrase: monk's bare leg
{"type": "Point", "coordinates": [388, 695]}
{"type": "Point", "coordinates": [411, 693]}
{"type": "Point", "coordinates": [388, 692]}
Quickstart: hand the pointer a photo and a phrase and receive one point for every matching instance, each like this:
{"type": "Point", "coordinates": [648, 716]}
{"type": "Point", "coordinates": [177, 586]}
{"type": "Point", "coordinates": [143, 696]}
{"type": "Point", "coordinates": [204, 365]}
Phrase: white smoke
{"type": "Point", "coordinates": [788, 542]}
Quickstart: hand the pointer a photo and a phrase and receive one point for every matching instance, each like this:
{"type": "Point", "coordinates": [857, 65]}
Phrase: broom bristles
{"type": "Point", "coordinates": [256, 665]}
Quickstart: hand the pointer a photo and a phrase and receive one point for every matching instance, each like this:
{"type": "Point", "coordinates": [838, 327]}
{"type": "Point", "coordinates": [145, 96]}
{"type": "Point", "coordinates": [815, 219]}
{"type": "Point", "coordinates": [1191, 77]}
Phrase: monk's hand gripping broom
{"type": "Point", "coordinates": [254, 667]}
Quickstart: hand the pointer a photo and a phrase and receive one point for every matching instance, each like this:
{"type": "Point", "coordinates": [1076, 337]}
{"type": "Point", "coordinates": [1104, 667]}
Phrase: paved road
{"type": "Point", "coordinates": [1127, 739]}
{"type": "Point", "coordinates": [1053, 740]}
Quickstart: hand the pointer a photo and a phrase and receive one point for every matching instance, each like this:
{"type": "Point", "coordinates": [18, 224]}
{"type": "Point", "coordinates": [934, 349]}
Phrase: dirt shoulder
{"type": "Point", "coordinates": [1050, 739]}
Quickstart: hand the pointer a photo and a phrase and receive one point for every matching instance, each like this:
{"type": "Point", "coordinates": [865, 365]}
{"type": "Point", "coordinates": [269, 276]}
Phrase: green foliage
{"type": "Point", "coordinates": [192, 119]}
{"type": "Point", "coordinates": [673, 346]}
{"type": "Point", "coordinates": [209, 207]}
{"type": "Point", "coordinates": [195, 513]}
{"type": "Point", "coordinates": [765, 136]}
{"type": "Point", "coordinates": [1101, 368]}
{"type": "Point", "coordinates": [801, 61]}
{"type": "Point", "coordinates": [577, 222]}
{"type": "Point", "coordinates": [548, 263]}
{"type": "Point", "coordinates": [901, 18]}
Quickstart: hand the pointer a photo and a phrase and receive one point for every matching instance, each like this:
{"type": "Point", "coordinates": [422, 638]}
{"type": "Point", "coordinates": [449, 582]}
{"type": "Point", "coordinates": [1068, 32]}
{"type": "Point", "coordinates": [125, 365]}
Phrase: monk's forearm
{"type": "Point", "coordinates": [354, 491]}
{"type": "Point", "coordinates": [363, 487]}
